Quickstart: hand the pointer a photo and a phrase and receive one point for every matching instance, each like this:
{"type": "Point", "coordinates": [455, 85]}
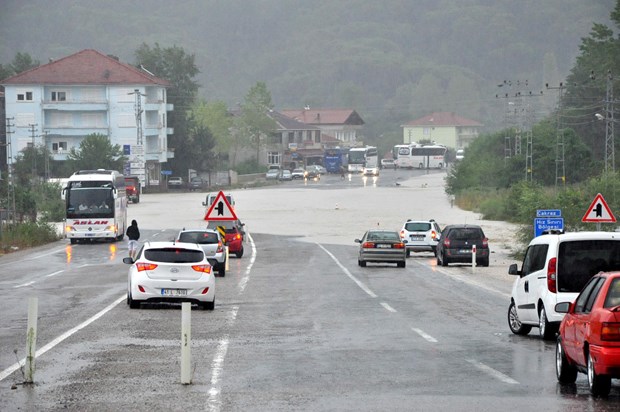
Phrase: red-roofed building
{"type": "Point", "coordinates": [60, 103]}
{"type": "Point", "coordinates": [444, 128]}
{"type": "Point", "coordinates": [340, 124]}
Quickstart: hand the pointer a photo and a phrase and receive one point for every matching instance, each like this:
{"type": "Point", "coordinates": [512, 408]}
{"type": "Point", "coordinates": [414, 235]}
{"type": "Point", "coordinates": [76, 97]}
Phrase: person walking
{"type": "Point", "coordinates": [133, 233]}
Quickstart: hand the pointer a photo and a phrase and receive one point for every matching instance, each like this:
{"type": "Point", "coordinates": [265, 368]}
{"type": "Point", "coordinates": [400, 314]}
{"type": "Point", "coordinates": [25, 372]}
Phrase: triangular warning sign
{"type": "Point", "coordinates": [599, 211]}
{"type": "Point", "coordinates": [220, 209]}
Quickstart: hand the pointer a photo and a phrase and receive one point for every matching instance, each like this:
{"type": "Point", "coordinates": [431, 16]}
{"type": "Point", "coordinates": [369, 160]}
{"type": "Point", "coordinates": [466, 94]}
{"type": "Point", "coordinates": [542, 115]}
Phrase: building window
{"type": "Point", "coordinates": [24, 119]}
{"type": "Point", "coordinates": [24, 96]}
{"type": "Point", "coordinates": [59, 96]}
{"type": "Point", "coordinates": [59, 147]}
{"type": "Point", "coordinates": [274, 158]}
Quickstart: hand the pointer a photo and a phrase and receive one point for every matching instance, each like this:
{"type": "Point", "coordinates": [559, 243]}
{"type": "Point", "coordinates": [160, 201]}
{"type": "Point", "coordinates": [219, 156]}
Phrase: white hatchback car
{"type": "Point", "coordinates": [211, 243]}
{"type": "Point", "coordinates": [555, 268]}
{"type": "Point", "coordinates": [421, 235]}
{"type": "Point", "coordinates": [170, 272]}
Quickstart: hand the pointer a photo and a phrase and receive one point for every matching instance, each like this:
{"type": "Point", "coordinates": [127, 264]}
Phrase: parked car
{"type": "Point", "coordinates": [176, 183]}
{"type": "Point", "coordinates": [371, 171]}
{"type": "Point", "coordinates": [421, 235]}
{"type": "Point", "coordinates": [133, 188]}
{"type": "Point", "coordinates": [555, 268]}
{"type": "Point", "coordinates": [272, 174]}
{"type": "Point", "coordinates": [388, 164]}
{"type": "Point", "coordinates": [234, 235]}
{"type": "Point", "coordinates": [211, 243]}
{"type": "Point", "coordinates": [456, 243]}
{"type": "Point", "coordinates": [589, 336]}
{"type": "Point", "coordinates": [381, 246]}
{"type": "Point", "coordinates": [286, 175]}
{"type": "Point", "coordinates": [298, 173]}
{"type": "Point", "coordinates": [170, 272]}
{"type": "Point", "coordinates": [460, 154]}
{"type": "Point", "coordinates": [197, 183]}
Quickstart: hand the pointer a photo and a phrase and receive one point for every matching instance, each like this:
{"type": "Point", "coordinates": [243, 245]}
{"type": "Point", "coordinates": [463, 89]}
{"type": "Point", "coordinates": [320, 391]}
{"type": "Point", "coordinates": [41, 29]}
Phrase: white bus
{"type": "Point", "coordinates": [402, 156]}
{"type": "Point", "coordinates": [418, 156]}
{"type": "Point", "coordinates": [96, 205]}
{"type": "Point", "coordinates": [362, 157]}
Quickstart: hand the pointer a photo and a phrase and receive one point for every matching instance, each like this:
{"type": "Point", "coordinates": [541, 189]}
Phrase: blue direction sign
{"type": "Point", "coordinates": [547, 223]}
{"type": "Point", "coordinates": [549, 213]}
{"type": "Point", "coordinates": [166, 172]}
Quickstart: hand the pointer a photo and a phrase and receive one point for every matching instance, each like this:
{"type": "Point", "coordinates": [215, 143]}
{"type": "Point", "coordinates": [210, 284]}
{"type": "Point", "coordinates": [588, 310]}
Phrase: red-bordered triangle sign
{"type": "Point", "coordinates": [220, 209]}
{"type": "Point", "coordinates": [599, 211]}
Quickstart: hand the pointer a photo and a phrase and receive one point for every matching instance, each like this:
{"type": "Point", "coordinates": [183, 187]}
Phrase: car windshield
{"type": "Point", "coordinates": [174, 255]}
{"type": "Point", "coordinates": [202, 238]}
{"type": "Point", "coordinates": [418, 226]}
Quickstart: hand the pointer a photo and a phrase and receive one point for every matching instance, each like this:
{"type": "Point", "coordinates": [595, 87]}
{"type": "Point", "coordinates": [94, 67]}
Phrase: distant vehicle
{"type": "Point", "coordinates": [381, 246]}
{"type": "Point", "coordinates": [272, 174]}
{"type": "Point", "coordinates": [422, 235]}
{"type": "Point", "coordinates": [176, 183]}
{"type": "Point", "coordinates": [333, 159]}
{"type": "Point", "coordinates": [460, 154]}
{"type": "Point", "coordinates": [387, 164]}
{"type": "Point", "coordinates": [95, 205]}
{"type": "Point", "coordinates": [313, 172]}
{"type": "Point", "coordinates": [235, 235]}
{"type": "Point", "coordinates": [589, 335]}
{"type": "Point", "coordinates": [555, 268]}
{"type": "Point", "coordinates": [170, 272]}
{"type": "Point", "coordinates": [371, 171]}
{"type": "Point", "coordinates": [361, 157]}
{"type": "Point", "coordinates": [298, 173]}
{"type": "Point", "coordinates": [133, 188]}
{"type": "Point", "coordinates": [456, 244]}
{"type": "Point", "coordinates": [285, 175]}
{"type": "Point", "coordinates": [211, 243]}
{"type": "Point", "coordinates": [197, 183]}
{"type": "Point", "coordinates": [210, 198]}
{"type": "Point", "coordinates": [420, 156]}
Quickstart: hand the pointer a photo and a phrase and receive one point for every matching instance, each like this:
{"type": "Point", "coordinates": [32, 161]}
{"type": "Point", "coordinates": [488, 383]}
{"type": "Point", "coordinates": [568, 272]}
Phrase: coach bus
{"type": "Point", "coordinates": [362, 157]}
{"type": "Point", "coordinates": [418, 156]}
{"type": "Point", "coordinates": [96, 205]}
{"type": "Point", "coordinates": [333, 159]}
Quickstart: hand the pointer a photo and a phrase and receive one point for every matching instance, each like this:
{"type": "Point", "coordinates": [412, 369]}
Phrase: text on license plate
{"type": "Point", "coordinates": [174, 292]}
{"type": "Point", "coordinates": [380, 246]}
{"type": "Point", "coordinates": [412, 237]}
{"type": "Point", "coordinates": [464, 250]}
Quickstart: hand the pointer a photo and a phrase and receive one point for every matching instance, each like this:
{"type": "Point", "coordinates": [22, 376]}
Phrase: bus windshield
{"type": "Point", "coordinates": [357, 156]}
{"type": "Point", "coordinates": [90, 202]}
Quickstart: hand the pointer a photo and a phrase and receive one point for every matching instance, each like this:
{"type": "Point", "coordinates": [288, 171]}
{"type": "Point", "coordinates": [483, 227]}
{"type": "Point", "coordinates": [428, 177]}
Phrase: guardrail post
{"type": "Point", "coordinates": [31, 339]}
{"type": "Point", "coordinates": [186, 342]}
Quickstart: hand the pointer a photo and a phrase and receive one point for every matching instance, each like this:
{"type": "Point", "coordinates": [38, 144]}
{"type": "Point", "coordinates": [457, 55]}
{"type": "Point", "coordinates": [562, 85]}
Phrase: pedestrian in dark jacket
{"type": "Point", "coordinates": [133, 233]}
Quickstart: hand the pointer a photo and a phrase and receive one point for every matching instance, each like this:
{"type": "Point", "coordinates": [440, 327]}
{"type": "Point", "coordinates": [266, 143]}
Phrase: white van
{"type": "Point", "coordinates": [211, 198]}
{"type": "Point", "coordinates": [555, 269]}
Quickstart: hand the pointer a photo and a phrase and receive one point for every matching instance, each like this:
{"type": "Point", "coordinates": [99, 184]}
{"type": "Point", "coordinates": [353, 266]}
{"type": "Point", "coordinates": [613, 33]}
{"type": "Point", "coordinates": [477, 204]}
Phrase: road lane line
{"type": "Point", "coordinates": [54, 274]}
{"type": "Point", "coordinates": [424, 335]}
{"type": "Point", "coordinates": [24, 284]}
{"type": "Point", "coordinates": [244, 281]}
{"type": "Point", "coordinates": [346, 271]}
{"type": "Point", "coordinates": [388, 307]}
{"type": "Point", "coordinates": [8, 371]}
{"type": "Point", "coordinates": [492, 372]}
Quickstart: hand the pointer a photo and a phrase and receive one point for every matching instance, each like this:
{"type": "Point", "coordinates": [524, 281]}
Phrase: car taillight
{"type": "Point", "coordinates": [399, 245]}
{"type": "Point", "coordinates": [402, 234]}
{"type": "Point", "coordinates": [202, 268]}
{"type": "Point", "coordinates": [485, 242]}
{"type": "Point", "coordinates": [552, 275]}
{"type": "Point", "coordinates": [446, 242]}
{"type": "Point", "coordinates": [610, 331]}
{"type": "Point", "coordinates": [368, 245]}
{"type": "Point", "coordinates": [238, 236]}
{"type": "Point", "coordinates": [433, 235]}
{"type": "Point", "coordinates": [205, 291]}
{"type": "Point", "coordinates": [142, 266]}
{"type": "Point", "coordinates": [220, 247]}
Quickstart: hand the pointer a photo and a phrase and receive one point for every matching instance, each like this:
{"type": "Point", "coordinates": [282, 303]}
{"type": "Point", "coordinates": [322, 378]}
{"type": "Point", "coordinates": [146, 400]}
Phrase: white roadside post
{"type": "Point", "coordinates": [227, 265]}
{"type": "Point", "coordinates": [473, 258]}
{"type": "Point", "coordinates": [186, 340]}
{"type": "Point", "coordinates": [31, 339]}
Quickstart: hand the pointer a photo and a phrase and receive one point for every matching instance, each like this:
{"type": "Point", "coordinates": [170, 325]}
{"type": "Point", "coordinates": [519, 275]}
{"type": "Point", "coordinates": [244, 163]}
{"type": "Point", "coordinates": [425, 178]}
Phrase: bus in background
{"type": "Point", "coordinates": [429, 156]}
{"type": "Point", "coordinates": [362, 157]}
{"type": "Point", "coordinates": [332, 160]}
{"type": "Point", "coordinates": [96, 205]}
{"type": "Point", "coordinates": [402, 156]}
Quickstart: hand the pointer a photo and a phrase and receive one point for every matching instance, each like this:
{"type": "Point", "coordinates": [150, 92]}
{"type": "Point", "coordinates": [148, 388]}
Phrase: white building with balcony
{"type": "Point", "coordinates": [60, 103]}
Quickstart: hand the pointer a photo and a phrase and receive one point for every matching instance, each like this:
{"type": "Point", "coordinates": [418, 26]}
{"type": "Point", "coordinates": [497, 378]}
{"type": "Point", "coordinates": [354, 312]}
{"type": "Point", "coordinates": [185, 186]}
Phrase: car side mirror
{"type": "Point", "coordinates": [358, 241]}
{"type": "Point", "coordinates": [204, 203]}
{"type": "Point", "coordinates": [513, 269]}
{"type": "Point", "coordinates": [128, 260]}
{"type": "Point", "coordinates": [563, 307]}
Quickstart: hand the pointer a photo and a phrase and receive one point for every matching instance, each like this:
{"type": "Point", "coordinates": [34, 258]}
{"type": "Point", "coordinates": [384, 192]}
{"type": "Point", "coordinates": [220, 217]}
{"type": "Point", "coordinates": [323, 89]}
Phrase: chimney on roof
{"type": "Point", "coordinates": [50, 60]}
{"type": "Point", "coordinates": [106, 74]}
{"type": "Point", "coordinates": [307, 107]}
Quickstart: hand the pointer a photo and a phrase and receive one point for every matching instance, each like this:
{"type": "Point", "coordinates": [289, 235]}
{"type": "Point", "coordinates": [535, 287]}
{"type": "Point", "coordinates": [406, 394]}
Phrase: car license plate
{"type": "Point", "coordinates": [416, 237]}
{"type": "Point", "coordinates": [89, 234]}
{"type": "Point", "coordinates": [380, 246]}
{"type": "Point", "coordinates": [174, 292]}
{"type": "Point", "coordinates": [463, 251]}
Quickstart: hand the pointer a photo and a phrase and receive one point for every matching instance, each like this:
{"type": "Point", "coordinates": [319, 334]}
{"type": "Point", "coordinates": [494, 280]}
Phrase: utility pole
{"type": "Point", "coordinates": [10, 201]}
{"type": "Point", "coordinates": [137, 152]}
{"type": "Point", "coordinates": [560, 169]}
{"type": "Point", "coordinates": [34, 151]}
{"type": "Point", "coordinates": [610, 160]}
{"type": "Point", "coordinates": [46, 159]}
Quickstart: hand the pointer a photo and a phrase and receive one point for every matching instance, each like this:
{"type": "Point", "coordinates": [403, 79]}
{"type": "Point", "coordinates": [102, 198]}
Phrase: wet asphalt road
{"type": "Point", "coordinates": [297, 326]}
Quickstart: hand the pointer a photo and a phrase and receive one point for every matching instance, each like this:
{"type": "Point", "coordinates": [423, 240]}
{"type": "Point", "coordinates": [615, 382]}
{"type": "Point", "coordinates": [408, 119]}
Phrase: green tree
{"type": "Point", "coordinates": [179, 68]}
{"type": "Point", "coordinates": [255, 115]}
{"type": "Point", "coordinates": [96, 152]}
{"type": "Point", "coordinates": [216, 117]}
{"type": "Point", "coordinates": [21, 62]}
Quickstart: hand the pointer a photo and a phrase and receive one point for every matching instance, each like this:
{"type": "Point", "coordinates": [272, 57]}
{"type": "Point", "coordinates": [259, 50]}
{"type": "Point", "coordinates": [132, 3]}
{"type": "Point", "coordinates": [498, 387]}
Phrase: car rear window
{"type": "Point", "coordinates": [174, 255]}
{"type": "Point", "coordinates": [202, 238]}
{"type": "Point", "coordinates": [377, 236]}
{"type": "Point", "coordinates": [418, 227]}
{"type": "Point", "coordinates": [466, 233]}
{"type": "Point", "coordinates": [579, 260]}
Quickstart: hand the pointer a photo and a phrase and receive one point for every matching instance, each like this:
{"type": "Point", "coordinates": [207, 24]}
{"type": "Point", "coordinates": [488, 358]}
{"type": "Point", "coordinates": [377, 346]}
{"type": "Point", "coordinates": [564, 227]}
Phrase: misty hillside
{"type": "Point", "coordinates": [391, 60]}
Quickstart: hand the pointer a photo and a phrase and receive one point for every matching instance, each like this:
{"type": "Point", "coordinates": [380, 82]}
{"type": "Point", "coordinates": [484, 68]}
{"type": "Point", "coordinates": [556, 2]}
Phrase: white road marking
{"type": "Point", "coordinates": [8, 371]}
{"type": "Point", "coordinates": [244, 281]}
{"type": "Point", "coordinates": [24, 285]}
{"type": "Point", "coordinates": [388, 307]}
{"type": "Point", "coordinates": [346, 271]}
{"type": "Point", "coordinates": [492, 372]}
{"type": "Point", "coordinates": [424, 335]}
{"type": "Point", "coordinates": [54, 274]}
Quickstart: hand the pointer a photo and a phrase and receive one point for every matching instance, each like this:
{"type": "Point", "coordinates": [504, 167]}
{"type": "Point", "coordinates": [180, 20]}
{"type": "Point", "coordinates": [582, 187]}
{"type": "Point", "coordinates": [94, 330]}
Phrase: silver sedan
{"type": "Point", "coordinates": [382, 246]}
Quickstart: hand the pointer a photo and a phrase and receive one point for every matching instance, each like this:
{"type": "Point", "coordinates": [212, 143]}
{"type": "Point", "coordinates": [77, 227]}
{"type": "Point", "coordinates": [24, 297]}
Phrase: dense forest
{"type": "Point", "coordinates": [392, 61]}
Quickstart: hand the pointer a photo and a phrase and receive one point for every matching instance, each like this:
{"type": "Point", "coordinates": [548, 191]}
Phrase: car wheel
{"type": "Point", "coordinates": [599, 384]}
{"type": "Point", "coordinates": [208, 305]}
{"type": "Point", "coordinates": [565, 372]}
{"type": "Point", "coordinates": [132, 303]}
{"type": "Point", "coordinates": [514, 323]}
{"type": "Point", "coordinates": [485, 262]}
{"type": "Point", "coordinates": [401, 264]}
{"type": "Point", "coordinates": [435, 251]}
{"type": "Point", "coordinates": [221, 270]}
{"type": "Point", "coordinates": [362, 264]}
{"type": "Point", "coordinates": [444, 261]}
{"type": "Point", "coordinates": [438, 261]}
{"type": "Point", "coordinates": [73, 241]}
{"type": "Point", "coordinates": [545, 329]}
{"type": "Point", "coordinates": [408, 253]}
{"type": "Point", "coordinates": [239, 254]}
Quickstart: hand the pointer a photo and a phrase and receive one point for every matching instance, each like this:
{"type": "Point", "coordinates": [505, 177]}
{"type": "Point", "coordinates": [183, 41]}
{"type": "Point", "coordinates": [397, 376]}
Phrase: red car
{"type": "Point", "coordinates": [234, 232]}
{"type": "Point", "coordinates": [589, 338]}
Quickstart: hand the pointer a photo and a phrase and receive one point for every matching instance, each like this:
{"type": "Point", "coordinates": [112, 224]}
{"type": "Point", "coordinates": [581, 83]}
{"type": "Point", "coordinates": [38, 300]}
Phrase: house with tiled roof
{"type": "Point", "coordinates": [338, 126]}
{"type": "Point", "coordinates": [60, 103]}
{"type": "Point", "coordinates": [444, 128]}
